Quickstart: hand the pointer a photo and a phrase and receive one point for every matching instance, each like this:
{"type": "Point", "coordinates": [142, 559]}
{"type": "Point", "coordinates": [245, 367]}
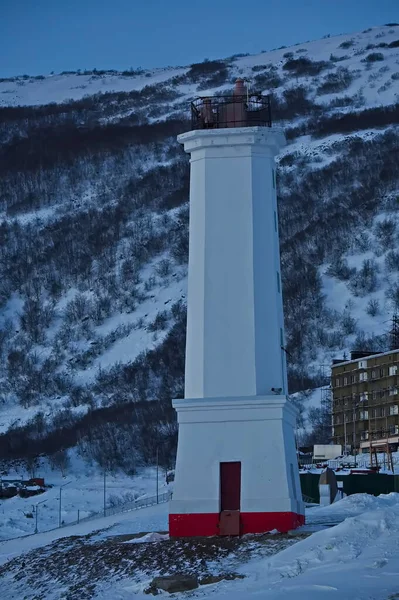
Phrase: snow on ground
{"type": "Point", "coordinates": [84, 492]}
{"type": "Point", "coordinates": [11, 309]}
{"type": "Point", "coordinates": [41, 214]}
{"type": "Point", "coordinates": [357, 559]}
{"type": "Point", "coordinates": [339, 295]}
{"type": "Point", "coordinates": [149, 537]}
{"type": "Point", "coordinates": [59, 88]}
{"type": "Point", "coordinates": [164, 293]}
{"type": "Point", "coordinates": [13, 415]}
{"type": "Point", "coordinates": [162, 297]}
{"type": "Point", "coordinates": [153, 518]}
{"type": "Point", "coordinates": [353, 506]}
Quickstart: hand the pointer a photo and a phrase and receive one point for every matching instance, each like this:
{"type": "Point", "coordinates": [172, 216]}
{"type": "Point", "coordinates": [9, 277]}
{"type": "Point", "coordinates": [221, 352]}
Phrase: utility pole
{"type": "Point", "coordinates": [394, 333]}
{"type": "Point", "coordinates": [36, 511]}
{"type": "Point", "coordinates": [59, 506]}
{"type": "Point", "coordinates": [157, 475]}
{"type": "Point", "coordinates": [354, 430]}
{"type": "Point", "coordinates": [105, 494]}
{"type": "Point", "coordinates": [326, 403]}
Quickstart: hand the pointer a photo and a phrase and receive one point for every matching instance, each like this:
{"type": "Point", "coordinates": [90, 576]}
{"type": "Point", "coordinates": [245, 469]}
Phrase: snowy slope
{"type": "Point", "coordinates": [30, 91]}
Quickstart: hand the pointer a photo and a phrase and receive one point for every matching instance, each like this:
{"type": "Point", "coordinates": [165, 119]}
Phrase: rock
{"type": "Point", "coordinates": [209, 579]}
{"type": "Point", "coordinates": [173, 583]}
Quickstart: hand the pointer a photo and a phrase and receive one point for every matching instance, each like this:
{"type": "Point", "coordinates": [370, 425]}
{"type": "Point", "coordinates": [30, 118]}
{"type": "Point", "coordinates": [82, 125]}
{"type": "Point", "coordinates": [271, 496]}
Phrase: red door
{"type": "Point", "coordinates": [230, 498]}
{"type": "Point", "coordinates": [230, 486]}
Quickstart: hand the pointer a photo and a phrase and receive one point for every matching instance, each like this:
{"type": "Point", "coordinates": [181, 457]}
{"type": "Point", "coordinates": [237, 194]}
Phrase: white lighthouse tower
{"type": "Point", "coordinates": [236, 467]}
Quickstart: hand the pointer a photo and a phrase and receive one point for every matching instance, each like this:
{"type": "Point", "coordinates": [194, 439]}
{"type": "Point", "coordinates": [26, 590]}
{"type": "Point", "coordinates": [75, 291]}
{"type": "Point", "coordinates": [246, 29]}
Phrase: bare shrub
{"type": "Point", "coordinates": [374, 57]}
{"type": "Point", "coordinates": [373, 307]}
{"type": "Point", "coordinates": [336, 82]}
{"type": "Point", "coordinates": [305, 67]}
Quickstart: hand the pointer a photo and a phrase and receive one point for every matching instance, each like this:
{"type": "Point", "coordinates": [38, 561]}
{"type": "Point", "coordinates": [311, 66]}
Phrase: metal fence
{"type": "Point", "coordinates": [362, 462]}
{"type": "Point", "coordinates": [106, 512]}
{"type": "Point", "coordinates": [121, 508]}
{"type": "Point", "coordinates": [358, 462]}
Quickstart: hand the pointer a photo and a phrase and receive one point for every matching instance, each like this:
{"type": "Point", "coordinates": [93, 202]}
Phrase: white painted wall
{"type": "Point", "coordinates": [235, 318]}
{"type": "Point", "coordinates": [235, 330]}
{"type": "Point", "coordinates": [258, 432]}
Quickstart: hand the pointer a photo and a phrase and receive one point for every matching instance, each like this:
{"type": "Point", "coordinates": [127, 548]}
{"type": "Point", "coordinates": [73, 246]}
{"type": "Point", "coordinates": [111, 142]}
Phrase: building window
{"type": "Point", "coordinates": [364, 435]}
{"type": "Point", "coordinates": [362, 364]}
{"type": "Point", "coordinates": [353, 378]}
{"type": "Point", "coordinates": [278, 281]}
{"type": "Point", "coordinates": [393, 370]}
{"type": "Point", "coordinates": [394, 430]}
{"type": "Point", "coordinates": [337, 420]}
{"type": "Point", "coordinates": [347, 418]}
{"type": "Point", "coordinates": [373, 374]}
{"type": "Point", "coordinates": [363, 397]}
{"type": "Point", "coordinates": [381, 372]}
{"type": "Point", "coordinates": [382, 412]}
{"type": "Point", "coordinates": [393, 410]}
{"type": "Point", "coordinates": [337, 382]}
{"type": "Point", "coordinates": [374, 394]}
{"type": "Point", "coordinates": [275, 221]}
{"type": "Point", "coordinates": [393, 391]}
{"type": "Point", "coordinates": [345, 381]}
{"type": "Point", "coordinates": [363, 376]}
{"type": "Point", "coordinates": [364, 415]}
{"type": "Point", "coordinates": [374, 413]}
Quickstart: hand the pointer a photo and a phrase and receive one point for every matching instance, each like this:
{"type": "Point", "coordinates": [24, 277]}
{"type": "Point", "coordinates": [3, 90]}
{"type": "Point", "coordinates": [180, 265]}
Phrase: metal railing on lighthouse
{"type": "Point", "coordinates": [240, 109]}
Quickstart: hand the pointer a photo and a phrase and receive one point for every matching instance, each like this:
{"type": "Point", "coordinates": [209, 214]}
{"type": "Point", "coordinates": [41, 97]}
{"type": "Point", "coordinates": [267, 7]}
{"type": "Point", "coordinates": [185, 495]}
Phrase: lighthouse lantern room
{"type": "Point", "coordinates": [236, 466]}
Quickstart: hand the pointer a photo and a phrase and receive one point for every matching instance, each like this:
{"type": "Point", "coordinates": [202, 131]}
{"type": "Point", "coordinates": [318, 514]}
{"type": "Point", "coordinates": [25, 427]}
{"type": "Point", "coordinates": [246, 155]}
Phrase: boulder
{"type": "Point", "coordinates": [173, 583]}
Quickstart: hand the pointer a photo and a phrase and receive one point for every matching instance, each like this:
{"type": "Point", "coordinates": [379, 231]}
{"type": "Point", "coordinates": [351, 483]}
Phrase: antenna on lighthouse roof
{"type": "Point", "coordinates": [248, 86]}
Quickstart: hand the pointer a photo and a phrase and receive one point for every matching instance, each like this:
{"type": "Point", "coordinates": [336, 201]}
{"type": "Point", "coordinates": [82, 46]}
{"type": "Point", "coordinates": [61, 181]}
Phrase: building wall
{"type": "Point", "coordinates": [366, 400]}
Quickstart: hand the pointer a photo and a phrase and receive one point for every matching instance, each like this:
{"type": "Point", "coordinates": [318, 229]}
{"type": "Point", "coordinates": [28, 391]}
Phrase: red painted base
{"type": "Point", "coordinates": [207, 524]}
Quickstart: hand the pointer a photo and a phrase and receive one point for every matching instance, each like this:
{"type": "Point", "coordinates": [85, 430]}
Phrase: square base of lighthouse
{"type": "Point", "coordinates": [236, 463]}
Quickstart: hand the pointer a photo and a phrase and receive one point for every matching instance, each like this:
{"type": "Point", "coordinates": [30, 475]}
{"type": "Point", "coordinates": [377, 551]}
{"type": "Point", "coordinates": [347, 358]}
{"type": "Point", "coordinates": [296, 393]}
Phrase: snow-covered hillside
{"type": "Point", "coordinates": [93, 232]}
{"type": "Point", "coordinates": [350, 50]}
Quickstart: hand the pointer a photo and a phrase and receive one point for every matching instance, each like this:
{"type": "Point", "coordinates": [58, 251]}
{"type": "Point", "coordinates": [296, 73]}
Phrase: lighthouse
{"type": "Point", "coordinates": [236, 465]}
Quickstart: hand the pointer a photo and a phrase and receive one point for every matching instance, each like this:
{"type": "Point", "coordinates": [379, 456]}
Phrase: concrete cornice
{"type": "Point", "coordinates": [236, 403]}
{"type": "Point", "coordinates": [272, 138]}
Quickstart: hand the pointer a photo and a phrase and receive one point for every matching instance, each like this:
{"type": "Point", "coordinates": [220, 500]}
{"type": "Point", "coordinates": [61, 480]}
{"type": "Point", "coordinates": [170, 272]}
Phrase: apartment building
{"type": "Point", "coordinates": [366, 400]}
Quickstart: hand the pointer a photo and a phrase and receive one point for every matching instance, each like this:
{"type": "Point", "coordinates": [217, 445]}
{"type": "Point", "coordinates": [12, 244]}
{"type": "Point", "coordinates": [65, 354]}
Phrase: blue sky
{"type": "Point", "coordinates": [40, 36]}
